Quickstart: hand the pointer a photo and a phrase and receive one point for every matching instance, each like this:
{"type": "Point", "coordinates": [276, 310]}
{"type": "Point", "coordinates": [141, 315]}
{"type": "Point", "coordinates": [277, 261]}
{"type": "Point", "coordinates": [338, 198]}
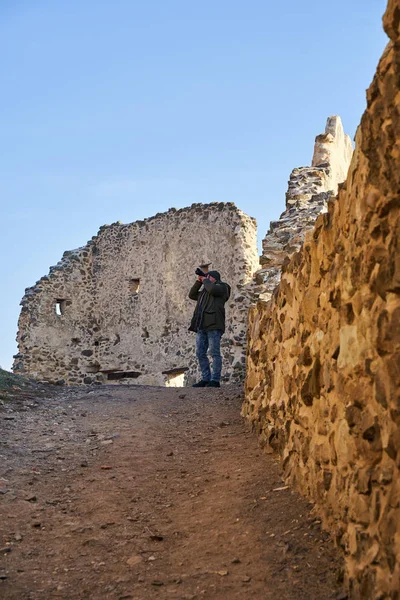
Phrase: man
{"type": "Point", "coordinates": [208, 322]}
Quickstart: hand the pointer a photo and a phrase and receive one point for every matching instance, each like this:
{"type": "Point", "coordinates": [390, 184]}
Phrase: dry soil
{"type": "Point", "coordinates": [120, 492]}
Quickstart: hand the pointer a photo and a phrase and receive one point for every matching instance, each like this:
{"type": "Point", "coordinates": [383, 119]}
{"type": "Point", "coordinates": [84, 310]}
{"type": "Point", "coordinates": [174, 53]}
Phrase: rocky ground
{"type": "Point", "coordinates": [119, 492]}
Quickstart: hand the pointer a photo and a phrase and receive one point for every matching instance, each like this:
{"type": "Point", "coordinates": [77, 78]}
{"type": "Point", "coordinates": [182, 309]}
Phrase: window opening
{"type": "Point", "coordinates": [175, 377]}
{"type": "Point", "coordinates": [60, 307]}
{"type": "Point", "coordinates": [134, 285]}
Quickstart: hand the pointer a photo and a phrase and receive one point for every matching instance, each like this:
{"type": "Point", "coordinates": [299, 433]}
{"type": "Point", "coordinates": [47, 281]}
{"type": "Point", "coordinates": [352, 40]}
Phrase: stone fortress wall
{"type": "Point", "coordinates": [323, 367]}
{"type": "Point", "coordinates": [117, 309]}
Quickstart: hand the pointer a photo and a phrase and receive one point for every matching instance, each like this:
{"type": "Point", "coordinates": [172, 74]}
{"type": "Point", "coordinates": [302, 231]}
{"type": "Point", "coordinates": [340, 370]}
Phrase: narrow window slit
{"type": "Point", "coordinates": [134, 285]}
{"type": "Point", "coordinates": [60, 307]}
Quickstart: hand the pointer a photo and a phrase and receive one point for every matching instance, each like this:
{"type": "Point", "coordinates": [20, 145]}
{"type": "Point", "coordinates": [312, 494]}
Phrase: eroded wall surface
{"type": "Point", "coordinates": [122, 300]}
{"type": "Point", "coordinates": [323, 381]}
{"type": "Point", "coordinates": [309, 190]}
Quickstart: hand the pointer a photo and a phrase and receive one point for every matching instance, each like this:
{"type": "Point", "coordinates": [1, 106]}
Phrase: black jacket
{"type": "Point", "coordinates": [210, 310]}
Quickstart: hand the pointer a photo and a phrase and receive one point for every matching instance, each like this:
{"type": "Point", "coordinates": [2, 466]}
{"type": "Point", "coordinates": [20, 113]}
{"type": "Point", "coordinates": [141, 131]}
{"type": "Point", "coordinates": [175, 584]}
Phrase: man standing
{"type": "Point", "coordinates": [208, 322]}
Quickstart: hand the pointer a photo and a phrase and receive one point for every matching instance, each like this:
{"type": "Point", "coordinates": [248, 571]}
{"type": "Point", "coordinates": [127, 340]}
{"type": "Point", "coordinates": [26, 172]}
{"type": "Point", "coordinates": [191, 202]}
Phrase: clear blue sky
{"type": "Point", "coordinates": [118, 110]}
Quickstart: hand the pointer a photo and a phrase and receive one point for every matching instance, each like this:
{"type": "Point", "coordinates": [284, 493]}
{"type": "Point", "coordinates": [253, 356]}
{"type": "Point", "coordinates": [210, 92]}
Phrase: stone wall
{"type": "Point", "coordinates": [323, 381]}
{"type": "Point", "coordinates": [335, 149]}
{"type": "Point", "coordinates": [117, 309]}
{"type": "Point", "coordinates": [308, 193]}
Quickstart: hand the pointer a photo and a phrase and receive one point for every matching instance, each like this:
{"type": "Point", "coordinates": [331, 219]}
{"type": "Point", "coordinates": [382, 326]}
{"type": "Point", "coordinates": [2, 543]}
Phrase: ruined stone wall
{"type": "Point", "coordinates": [124, 303]}
{"type": "Point", "coordinates": [335, 149]}
{"type": "Point", "coordinates": [307, 197]}
{"type": "Point", "coordinates": [309, 190]}
{"type": "Point", "coordinates": [323, 381]}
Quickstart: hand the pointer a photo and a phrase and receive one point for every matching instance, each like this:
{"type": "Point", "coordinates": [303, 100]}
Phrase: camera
{"type": "Point", "coordinates": [200, 273]}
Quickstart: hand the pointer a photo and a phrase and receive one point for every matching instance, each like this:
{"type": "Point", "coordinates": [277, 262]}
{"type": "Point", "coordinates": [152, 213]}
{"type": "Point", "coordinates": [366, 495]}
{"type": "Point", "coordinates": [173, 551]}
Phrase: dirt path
{"type": "Point", "coordinates": [142, 493]}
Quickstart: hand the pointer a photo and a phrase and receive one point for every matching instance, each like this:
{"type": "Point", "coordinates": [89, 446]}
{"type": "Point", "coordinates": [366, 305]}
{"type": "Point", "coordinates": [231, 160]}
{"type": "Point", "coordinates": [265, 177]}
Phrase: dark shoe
{"type": "Point", "coordinates": [201, 384]}
{"type": "Point", "coordinates": [213, 384]}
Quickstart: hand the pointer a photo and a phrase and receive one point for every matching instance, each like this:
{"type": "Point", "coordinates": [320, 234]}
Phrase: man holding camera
{"type": "Point", "coordinates": [208, 322]}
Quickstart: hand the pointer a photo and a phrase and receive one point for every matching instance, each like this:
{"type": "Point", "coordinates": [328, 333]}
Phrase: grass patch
{"type": "Point", "coordinates": [10, 381]}
{"type": "Point", "coordinates": [15, 387]}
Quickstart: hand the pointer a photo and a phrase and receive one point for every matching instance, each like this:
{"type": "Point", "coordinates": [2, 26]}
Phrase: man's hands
{"type": "Point", "coordinates": [201, 278]}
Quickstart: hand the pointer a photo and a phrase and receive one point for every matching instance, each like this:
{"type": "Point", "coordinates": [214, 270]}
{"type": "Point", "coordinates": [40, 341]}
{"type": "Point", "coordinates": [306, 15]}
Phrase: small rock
{"type": "Point", "coordinates": [223, 573]}
{"type": "Point", "coordinates": [82, 529]}
{"type": "Point", "coordinates": [236, 561]}
{"type": "Point", "coordinates": [30, 498]}
{"type": "Point", "coordinates": [182, 396]}
{"type": "Point", "coordinates": [105, 467]}
{"type": "Point", "coordinates": [106, 442]}
{"type": "Point", "coordinates": [134, 560]}
{"type": "Point", "coordinates": [5, 550]}
{"type": "Point", "coordinates": [84, 463]}
{"type": "Point", "coordinates": [105, 525]}
{"type": "Point", "coordinates": [286, 549]}
{"type": "Point", "coordinates": [170, 454]}
{"type": "Point", "coordinates": [246, 579]}
{"type": "Point", "coordinates": [156, 582]}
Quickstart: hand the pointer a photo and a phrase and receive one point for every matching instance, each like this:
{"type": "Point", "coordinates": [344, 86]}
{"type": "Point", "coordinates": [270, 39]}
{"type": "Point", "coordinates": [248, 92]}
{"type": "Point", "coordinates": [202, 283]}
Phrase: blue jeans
{"type": "Point", "coordinates": [209, 340]}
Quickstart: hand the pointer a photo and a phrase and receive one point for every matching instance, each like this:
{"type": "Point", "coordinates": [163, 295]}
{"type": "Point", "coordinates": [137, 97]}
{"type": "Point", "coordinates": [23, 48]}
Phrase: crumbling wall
{"type": "Point", "coordinates": [335, 149]}
{"type": "Point", "coordinates": [309, 190]}
{"type": "Point", "coordinates": [323, 380]}
{"type": "Point", "coordinates": [122, 300]}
